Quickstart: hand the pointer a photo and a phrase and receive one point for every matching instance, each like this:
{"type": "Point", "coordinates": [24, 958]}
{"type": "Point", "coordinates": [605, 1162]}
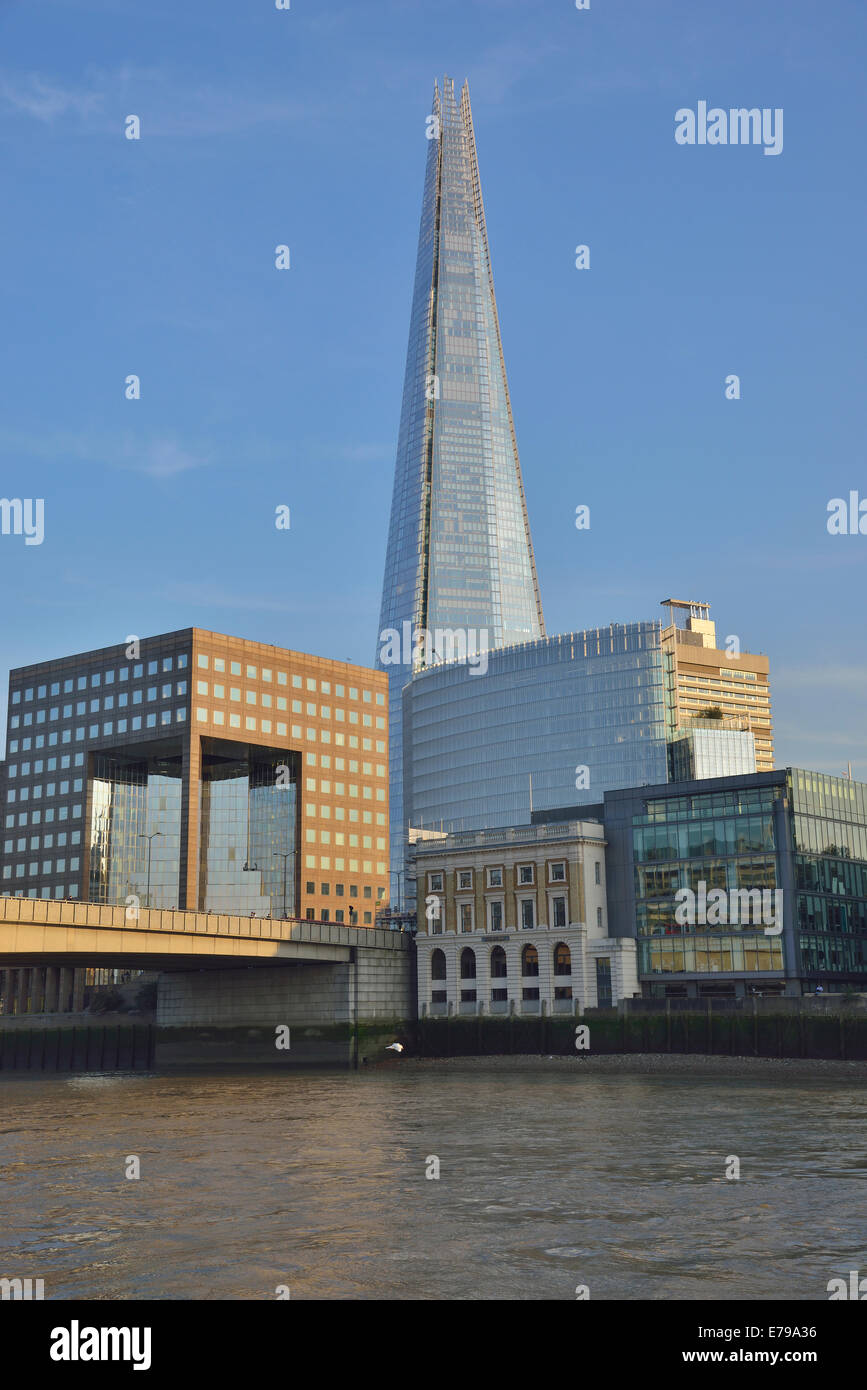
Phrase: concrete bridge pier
{"type": "Point", "coordinates": [338, 1013]}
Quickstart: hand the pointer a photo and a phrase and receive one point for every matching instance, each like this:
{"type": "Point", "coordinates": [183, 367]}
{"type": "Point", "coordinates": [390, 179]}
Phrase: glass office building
{"type": "Point", "coordinates": [800, 834]}
{"type": "Point", "coordinates": [553, 722]}
{"type": "Point", "coordinates": [459, 552]}
{"type": "Point", "coordinates": [829, 832]}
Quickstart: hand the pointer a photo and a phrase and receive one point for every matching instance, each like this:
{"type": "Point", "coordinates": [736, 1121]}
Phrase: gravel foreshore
{"type": "Point", "coordinates": [648, 1063]}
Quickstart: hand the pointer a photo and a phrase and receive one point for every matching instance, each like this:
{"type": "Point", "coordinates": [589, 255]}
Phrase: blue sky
{"type": "Point", "coordinates": [260, 387]}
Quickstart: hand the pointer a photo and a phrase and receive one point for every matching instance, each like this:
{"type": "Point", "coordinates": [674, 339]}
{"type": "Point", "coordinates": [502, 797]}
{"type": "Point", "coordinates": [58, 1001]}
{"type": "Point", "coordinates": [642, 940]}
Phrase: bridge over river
{"type": "Point", "coordinates": [227, 984]}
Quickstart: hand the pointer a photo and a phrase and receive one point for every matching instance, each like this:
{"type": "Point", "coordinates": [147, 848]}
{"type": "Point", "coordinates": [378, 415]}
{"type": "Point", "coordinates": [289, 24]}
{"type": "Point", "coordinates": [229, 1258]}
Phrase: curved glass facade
{"type": "Point", "coordinates": [580, 714]}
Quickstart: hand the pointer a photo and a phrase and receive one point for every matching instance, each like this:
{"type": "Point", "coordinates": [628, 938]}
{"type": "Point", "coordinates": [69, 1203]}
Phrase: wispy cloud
{"type": "Point", "coordinates": [45, 99]}
{"type": "Point", "coordinates": [159, 457]}
{"type": "Point", "coordinates": [166, 102]}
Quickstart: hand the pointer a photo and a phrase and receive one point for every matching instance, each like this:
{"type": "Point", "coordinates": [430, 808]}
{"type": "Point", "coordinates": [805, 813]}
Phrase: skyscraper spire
{"type": "Point", "coordinates": [459, 554]}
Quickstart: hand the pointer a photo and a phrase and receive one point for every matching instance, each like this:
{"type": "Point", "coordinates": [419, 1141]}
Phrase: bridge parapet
{"type": "Point", "coordinates": [36, 911]}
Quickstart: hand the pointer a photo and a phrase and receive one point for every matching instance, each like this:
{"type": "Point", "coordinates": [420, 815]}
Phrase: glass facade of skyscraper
{"type": "Point", "coordinates": [459, 550]}
{"type": "Point", "coordinates": [555, 722]}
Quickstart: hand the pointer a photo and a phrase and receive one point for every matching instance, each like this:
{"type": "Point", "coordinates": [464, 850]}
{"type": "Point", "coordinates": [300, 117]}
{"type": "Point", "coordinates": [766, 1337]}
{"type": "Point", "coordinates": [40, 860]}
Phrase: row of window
{"type": "Point", "coordinates": [46, 817]}
{"type": "Point", "coordinates": [206, 662]}
{"type": "Point", "coordinates": [33, 869]}
{"type": "Point", "coordinates": [561, 958]}
{"type": "Point", "coordinates": [49, 788]}
{"type": "Point", "coordinates": [71, 891]}
{"type": "Point", "coordinates": [325, 889]}
{"type": "Point", "coordinates": [495, 915]}
{"type": "Point", "coordinates": [44, 842]}
{"type": "Point", "coordinates": [501, 996]}
{"type": "Point", "coordinates": [339, 865]}
{"type": "Point", "coordinates": [324, 759]}
{"type": "Point", "coordinates": [350, 917]}
{"type": "Point", "coordinates": [495, 877]}
{"type": "Point", "coordinates": [104, 704]}
{"type": "Point", "coordinates": [280, 702]}
{"type": "Point", "coordinates": [108, 729]}
{"type": "Point", "coordinates": [100, 678]}
{"type": "Point", "coordinates": [265, 726]}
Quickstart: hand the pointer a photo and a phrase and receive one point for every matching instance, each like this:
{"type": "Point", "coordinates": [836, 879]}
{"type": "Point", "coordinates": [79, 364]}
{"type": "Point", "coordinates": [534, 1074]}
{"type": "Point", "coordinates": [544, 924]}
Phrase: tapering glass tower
{"type": "Point", "coordinates": [460, 557]}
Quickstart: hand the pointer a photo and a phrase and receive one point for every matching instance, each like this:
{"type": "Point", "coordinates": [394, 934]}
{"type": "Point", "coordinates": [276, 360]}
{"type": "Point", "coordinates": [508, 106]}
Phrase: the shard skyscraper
{"type": "Point", "coordinates": [460, 557]}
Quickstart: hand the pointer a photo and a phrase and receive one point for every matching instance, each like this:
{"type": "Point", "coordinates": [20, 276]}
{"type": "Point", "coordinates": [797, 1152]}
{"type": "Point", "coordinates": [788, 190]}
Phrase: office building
{"type": "Point", "coordinates": [198, 770]}
{"type": "Point", "coordinates": [550, 723]}
{"type": "Point", "coordinates": [739, 885]}
{"type": "Point", "coordinates": [514, 920]}
{"type": "Point", "coordinates": [701, 676]}
{"type": "Point", "coordinates": [460, 558]}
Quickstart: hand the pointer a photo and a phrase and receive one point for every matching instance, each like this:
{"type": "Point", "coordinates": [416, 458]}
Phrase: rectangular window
{"type": "Point", "coordinates": [559, 906]}
{"type": "Point", "coordinates": [466, 910]}
{"type": "Point", "coordinates": [528, 913]}
{"type": "Point", "coordinates": [597, 869]}
{"type": "Point", "coordinates": [465, 879]}
{"type": "Point", "coordinates": [558, 873]}
{"type": "Point", "coordinates": [525, 873]}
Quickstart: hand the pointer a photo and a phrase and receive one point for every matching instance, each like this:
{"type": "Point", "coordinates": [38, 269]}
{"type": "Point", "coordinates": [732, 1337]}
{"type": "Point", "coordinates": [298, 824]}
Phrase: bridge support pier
{"type": "Point", "coordinates": [23, 990]}
{"type": "Point", "coordinates": [37, 990]}
{"type": "Point", "coordinates": [7, 992]}
{"type": "Point", "coordinates": [64, 1003]}
{"type": "Point", "coordinates": [78, 978]}
{"type": "Point", "coordinates": [52, 989]}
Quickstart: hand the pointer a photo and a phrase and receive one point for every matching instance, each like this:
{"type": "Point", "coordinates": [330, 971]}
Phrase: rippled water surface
{"type": "Point", "coordinates": [318, 1181]}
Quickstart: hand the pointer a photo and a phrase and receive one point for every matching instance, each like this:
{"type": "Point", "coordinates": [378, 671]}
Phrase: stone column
{"type": "Point", "coordinates": [78, 977]}
{"type": "Point", "coordinates": [63, 1002]}
{"type": "Point", "coordinates": [52, 989]}
{"type": "Point", "coordinates": [37, 990]}
{"type": "Point", "coordinates": [23, 990]}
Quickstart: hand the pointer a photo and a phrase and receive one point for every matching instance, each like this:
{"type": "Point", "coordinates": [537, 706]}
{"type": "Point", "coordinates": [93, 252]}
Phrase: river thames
{"type": "Point", "coordinates": [550, 1179]}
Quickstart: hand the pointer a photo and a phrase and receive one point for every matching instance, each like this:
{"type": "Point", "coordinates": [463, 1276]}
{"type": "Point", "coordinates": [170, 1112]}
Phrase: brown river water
{"type": "Point", "coordinates": [548, 1180]}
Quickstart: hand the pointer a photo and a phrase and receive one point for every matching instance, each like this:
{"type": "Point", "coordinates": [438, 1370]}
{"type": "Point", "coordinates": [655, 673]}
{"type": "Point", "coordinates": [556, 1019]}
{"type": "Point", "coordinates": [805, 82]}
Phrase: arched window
{"type": "Point", "coordinates": [562, 959]}
{"type": "Point", "coordinates": [468, 964]}
{"type": "Point", "coordinates": [438, 965]}
{"type": "Point", "coordinates": [529, 961]}
{"type": "Point", "coordinates": [498, 964]}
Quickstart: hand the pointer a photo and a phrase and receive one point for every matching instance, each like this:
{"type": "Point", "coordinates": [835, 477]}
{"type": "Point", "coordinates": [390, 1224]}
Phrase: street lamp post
{"type": "Point", "coordinates": [150, 838]}
{"type": "Point", "coordinates": [285, 855]}
{"type": "Point", "coordinates": [399, 873]}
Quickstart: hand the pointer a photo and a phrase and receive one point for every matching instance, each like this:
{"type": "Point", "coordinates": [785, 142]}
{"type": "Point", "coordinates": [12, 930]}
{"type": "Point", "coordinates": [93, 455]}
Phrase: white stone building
{"type": "Point", "coordinates": [515, 921]}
